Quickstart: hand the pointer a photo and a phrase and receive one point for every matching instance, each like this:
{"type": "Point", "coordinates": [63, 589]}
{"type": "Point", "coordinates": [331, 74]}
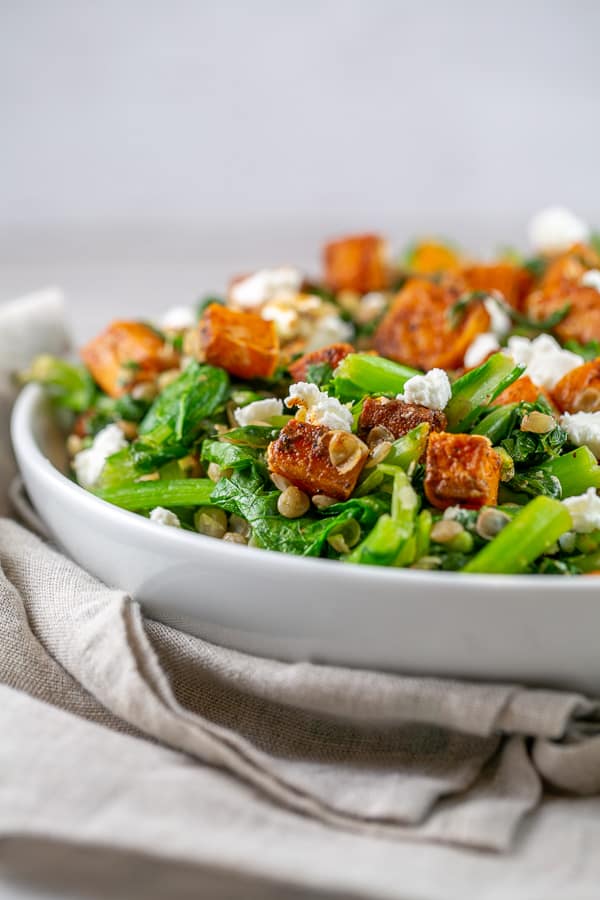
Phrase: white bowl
{"type": "Point", "coordinates": [536, 629]}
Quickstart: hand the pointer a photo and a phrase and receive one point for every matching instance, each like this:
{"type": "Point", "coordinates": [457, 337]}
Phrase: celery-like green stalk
{"type": "Point", "coordinates": [409, 448]}
{"type": "Point", "coordinates": [532, 531]}
{"type": "Point", "coordinates": [577, 471]}
{"type": "Point", "coordinates": [479, 388]}
{"type": "Point", "coordinates": [381, 546]}
{"type": "Point", "coordinates": [497, 424]}
{"type": "Point", "coordinates": [362, 373]}
{"type": "Point", "coordinates": [148, 494]}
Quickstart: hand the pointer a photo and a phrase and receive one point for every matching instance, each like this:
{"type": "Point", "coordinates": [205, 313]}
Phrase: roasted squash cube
{"type": "Point", "coordinates": [331, 356]}
{"type": "Point", "coordinates": [430, 257]}
{"type": "Point", "coordinates": [398, 417]}
{"type": "Point", "coordinates": [318, 460]}
{"type": "Point", "coordinates": [579, 389]}
{"type": "Point", "coordinates": [240, 342]}
{"type": "Point", "coordinates": [513, 282]}
{"type": "Point", "coordinates": [126, 354]}
{"type": "Point", "coordinates": [520, 391]}
{"type": "Point", "coordinates": [582, 320]}
{"type": "Point", "coordinates": [357, 263]}
{"type": "Point", "coordinates": [418, 329]}
{"type": "Point", "coordinates": [461, 469]}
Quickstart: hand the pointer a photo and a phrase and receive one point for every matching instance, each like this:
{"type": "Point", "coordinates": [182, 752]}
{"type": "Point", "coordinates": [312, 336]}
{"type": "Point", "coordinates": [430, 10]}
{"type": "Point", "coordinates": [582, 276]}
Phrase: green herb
{"type": "Point", "coordinates": [589, 351]}
{"type": "Point", "coordinates": [457, 311]}
{"type": "Point", "coordinates": [207, 301]}
{"type": "Point", "coordinates": [70, 386]}
{"type": "Point", "coordinates": [319, 374]}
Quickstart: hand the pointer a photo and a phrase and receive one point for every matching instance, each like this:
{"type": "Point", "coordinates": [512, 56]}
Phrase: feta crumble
{"type": "Point", "coordinates": [88, 463]}
{"type": "Point", "coordinates": [583, 428]}
{"type": "Point", "coordinates": [164, 517]}
{"type": "Point", "coordinates": [266, 284]}
{"type": "Point", "coordinates": [555, 229]}
{"type": "Point", "coordinates": [545, 360]}
{"type": "Point", "coordinates": [480, 349]}
{"type": "Point", "coordinates": [329, 329]}
{"type": "Point", "coordinates": [500, 321]}
{"type": "Point", "coordinates": [320, 409]}
{"type": "Point", "coordinates": [178, 318]}
{"type": "Point", "coordinates": [585, 511]}
{"type": "Point", "coordinates": [258, 411]}
{"type": "Point", "coordinates": [431, 390]}
{"type": "Point", "coordinates": [591, 278]}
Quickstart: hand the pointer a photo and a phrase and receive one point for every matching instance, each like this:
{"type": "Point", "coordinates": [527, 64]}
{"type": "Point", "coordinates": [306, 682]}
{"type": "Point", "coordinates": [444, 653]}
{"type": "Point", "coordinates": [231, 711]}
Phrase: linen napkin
{"type": "Point", "coordinates": [363, 752]}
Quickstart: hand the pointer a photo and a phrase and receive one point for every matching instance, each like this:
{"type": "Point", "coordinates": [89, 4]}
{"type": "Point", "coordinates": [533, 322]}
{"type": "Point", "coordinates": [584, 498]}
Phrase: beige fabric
{"type": "Point", "coordinates": [374, 757]}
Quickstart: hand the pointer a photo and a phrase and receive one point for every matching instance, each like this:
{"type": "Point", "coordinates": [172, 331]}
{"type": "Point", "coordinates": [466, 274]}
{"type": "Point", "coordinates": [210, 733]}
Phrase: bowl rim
{"type": "Point", "coordinates": [29, 404]}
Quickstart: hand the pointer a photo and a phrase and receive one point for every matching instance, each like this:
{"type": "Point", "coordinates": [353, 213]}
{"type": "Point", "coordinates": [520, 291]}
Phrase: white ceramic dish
{"type": "Point", "coordinates": [541, 630]}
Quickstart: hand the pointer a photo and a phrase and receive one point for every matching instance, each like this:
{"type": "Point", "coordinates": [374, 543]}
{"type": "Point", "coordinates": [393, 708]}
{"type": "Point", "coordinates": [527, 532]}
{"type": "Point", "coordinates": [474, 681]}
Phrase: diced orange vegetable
{"type": "Point", "coordinates": [398, 417]}
{"type": "Point", "coordinates": [356, 263]}
{"type": "Point", "coordinates": [582, 321]}
{"type": "Point", "coordinates": [126, 354]}
{"type": "Point", "coordinates": [461, 469]}
{"type": "Point", "coordinates": [240, 342]}
{"type": "Point", "coordinates": [430, 257]}
{"type": "Point", "coordinates": [312, 458]}
{"type": "Point", "coordinates": [571, 265]}
{"type": "Point", "coordinates": [579, 389]}
{"type": "Point", "coordinates": [523, 390]}
{"type": "Point", "coordinates": [332, 355]}
{"type": "Point", "coordinates": [418, 331]}
{"type": "Point", "coordinates": [513, 282]}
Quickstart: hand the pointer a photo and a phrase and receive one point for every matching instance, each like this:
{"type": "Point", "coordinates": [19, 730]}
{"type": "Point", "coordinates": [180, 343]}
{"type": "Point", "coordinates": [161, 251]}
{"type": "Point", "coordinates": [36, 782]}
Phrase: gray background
{"type": "Point", "coordinates": [206, 137]}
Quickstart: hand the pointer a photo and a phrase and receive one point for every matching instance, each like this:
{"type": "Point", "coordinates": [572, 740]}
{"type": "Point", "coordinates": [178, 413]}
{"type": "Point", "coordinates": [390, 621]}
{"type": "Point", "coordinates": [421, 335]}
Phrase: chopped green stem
{"type": "Point", "coordinates": [362, 373]}
{"type": "Point", "coordinates": [532, 531]}
{"type": "Point", "coordinates": [409, 448]}
{"type": "Point", "coordinates": [577, 471]}
{"type": "Point", "coordinates": [148, 494]}
{"type": "Point", "coordinates": [498, 423]}
{"type": "Point", "coordinates": [478, 388]}
{"type": "Point", "coordinates": [381, 546]}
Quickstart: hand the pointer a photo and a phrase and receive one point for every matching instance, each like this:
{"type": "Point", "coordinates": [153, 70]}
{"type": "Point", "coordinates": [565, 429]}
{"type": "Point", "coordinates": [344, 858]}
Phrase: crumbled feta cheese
{"type": "Point", "coordinates": [431, 390]}
{"type": "Point", "coordinates": [480, 349]}
{"type": "Point", "coordinates": [370, 307]}
{"type": "Point", "coordinates": [556, 229]}
{"type": "Point", "coordinates": [320, 409]}
{"type": "Point", "coordinates": [266, 284]}
{"type": "Point", "coordinates": [177, 318]}
{"type": "Point", "coordinates": [257, 412]}
{"type": "Point", "coordinates": [88, 464]}
{"type": "Point", "coordinates": [329, 329]}
{"type": "Point", "coordinates": [164, 517]}
{"type": "Point", "coordinates": [585, 511]}
{"type": "Point", "coordinates": [591, 278]}
{"type": "Point", "coordinates": [545, 359]}
{"type": "Point", "coordinates": [500, 321]}
{"type": "Point", "coordinates": [583, 428]}
{"type": "Point", "coordinates": [285, 316]}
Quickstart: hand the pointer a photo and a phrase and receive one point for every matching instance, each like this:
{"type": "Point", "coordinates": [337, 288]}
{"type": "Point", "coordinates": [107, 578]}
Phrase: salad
{"type": "Point", "coordinates": [432, 411]}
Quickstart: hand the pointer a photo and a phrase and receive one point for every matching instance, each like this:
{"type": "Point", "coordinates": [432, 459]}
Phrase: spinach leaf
{"type": "Point", "coordinates": [319, 374]}
{"type": "Point", "coordinates": [535, 482]}
{"type": "Point", "coordinates": [229, 456]}
{"type": "Point", "coordinates": [245, 495]}
{"type": "Point", "coordinates": [195, 395]}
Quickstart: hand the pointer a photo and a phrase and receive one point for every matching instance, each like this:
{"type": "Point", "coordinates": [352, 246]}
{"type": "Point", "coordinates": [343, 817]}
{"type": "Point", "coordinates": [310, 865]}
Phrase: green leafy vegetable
{"type": "Point", "coordinates": [70, 386]}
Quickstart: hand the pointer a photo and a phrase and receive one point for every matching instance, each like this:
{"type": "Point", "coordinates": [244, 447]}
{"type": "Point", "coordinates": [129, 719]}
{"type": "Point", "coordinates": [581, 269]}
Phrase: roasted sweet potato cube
{"type": "Point", "coordinates": [582, 320]}
{"type": "Point", "coordinates": [126, 354]}
{"type": "Point", "coordinates": [513, 282]}
{"type": "Point", "coordinates": [571, 265]}
{"type": "Point", "coordinates": [430, 257]}
{"type": "Point", "coordinates": [418, 329]}
{"type": "Point", "coordinates": [240, 342]}
{"type": "Point", "coordinates": [520, 391]}
{"type": "Point", "coordinates": [357, 263]}
{"type": "Point", "coordinates": [461, 469]}
{"type": "Point", "coordinates": [332, 356]}
{"type": "Point", "coordinates": [579, 389]}
{"type": "Point", "coordinates": [398, 417]}
{"type": "Point", "coordinates": [318, 460]}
